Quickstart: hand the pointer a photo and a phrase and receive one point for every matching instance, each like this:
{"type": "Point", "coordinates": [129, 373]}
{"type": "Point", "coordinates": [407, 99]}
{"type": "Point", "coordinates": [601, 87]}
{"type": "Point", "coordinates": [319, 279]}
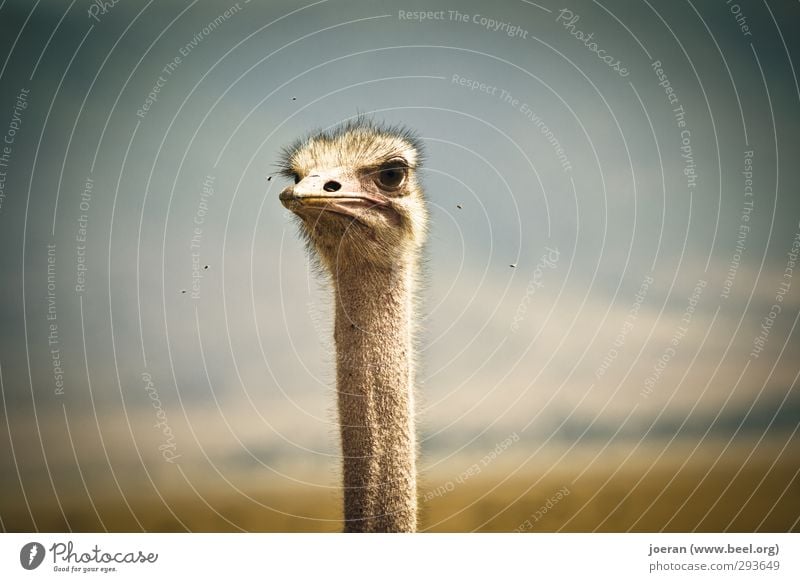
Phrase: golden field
{"type": "Point", "coordinates": [719, 490]}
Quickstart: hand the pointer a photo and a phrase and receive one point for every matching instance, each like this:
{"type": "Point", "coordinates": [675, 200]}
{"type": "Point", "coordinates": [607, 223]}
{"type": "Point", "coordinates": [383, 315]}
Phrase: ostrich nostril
{"type": "Point", "coordinates": [331, 186]}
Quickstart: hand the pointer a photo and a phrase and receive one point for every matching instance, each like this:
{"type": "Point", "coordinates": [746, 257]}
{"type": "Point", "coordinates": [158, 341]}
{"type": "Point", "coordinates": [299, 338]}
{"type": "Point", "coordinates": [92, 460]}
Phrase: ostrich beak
{"type": "Point", "coordinates": [330, 194]}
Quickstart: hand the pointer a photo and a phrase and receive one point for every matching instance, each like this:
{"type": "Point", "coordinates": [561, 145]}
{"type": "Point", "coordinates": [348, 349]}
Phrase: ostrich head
{"type": "Point", "coordinates": [356, 194]}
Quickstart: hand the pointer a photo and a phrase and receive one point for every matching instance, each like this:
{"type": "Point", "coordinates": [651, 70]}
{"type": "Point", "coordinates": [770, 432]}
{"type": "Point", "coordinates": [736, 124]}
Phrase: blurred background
{"type": "Point", "coordinates": [608, 335]}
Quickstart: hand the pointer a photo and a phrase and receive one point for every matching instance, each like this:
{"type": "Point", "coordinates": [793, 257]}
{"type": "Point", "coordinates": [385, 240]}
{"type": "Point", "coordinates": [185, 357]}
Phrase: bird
{"type": "Point", "coordinates": [361, 209]}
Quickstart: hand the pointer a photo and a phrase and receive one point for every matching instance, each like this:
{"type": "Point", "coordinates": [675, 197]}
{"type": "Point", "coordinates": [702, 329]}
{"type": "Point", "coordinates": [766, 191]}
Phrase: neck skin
{"type": "Point", "coordinates": [374, 372]}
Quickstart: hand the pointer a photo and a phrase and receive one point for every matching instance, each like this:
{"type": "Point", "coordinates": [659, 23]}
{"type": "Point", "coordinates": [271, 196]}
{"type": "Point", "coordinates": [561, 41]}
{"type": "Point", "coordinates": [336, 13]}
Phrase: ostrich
{"type": "Point", "coordinates": [362, 213]}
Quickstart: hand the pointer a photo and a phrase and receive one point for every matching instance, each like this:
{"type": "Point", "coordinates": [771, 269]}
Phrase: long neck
{"type": "Point", "coordinates": [374, 371]}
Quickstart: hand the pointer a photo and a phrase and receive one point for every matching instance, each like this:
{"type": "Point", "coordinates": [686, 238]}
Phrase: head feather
{"type": "Point", "coordinates": [358, 142]}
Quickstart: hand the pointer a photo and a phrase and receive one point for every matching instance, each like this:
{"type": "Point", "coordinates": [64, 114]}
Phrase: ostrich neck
{"type": "Point", "coordinates": [374, 371]}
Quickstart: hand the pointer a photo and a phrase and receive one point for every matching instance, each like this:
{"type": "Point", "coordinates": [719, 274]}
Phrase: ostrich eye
{"type": "Point", "coordinates": [296, 177]}
{"type": "Point", "coordinates": [391, 177]}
